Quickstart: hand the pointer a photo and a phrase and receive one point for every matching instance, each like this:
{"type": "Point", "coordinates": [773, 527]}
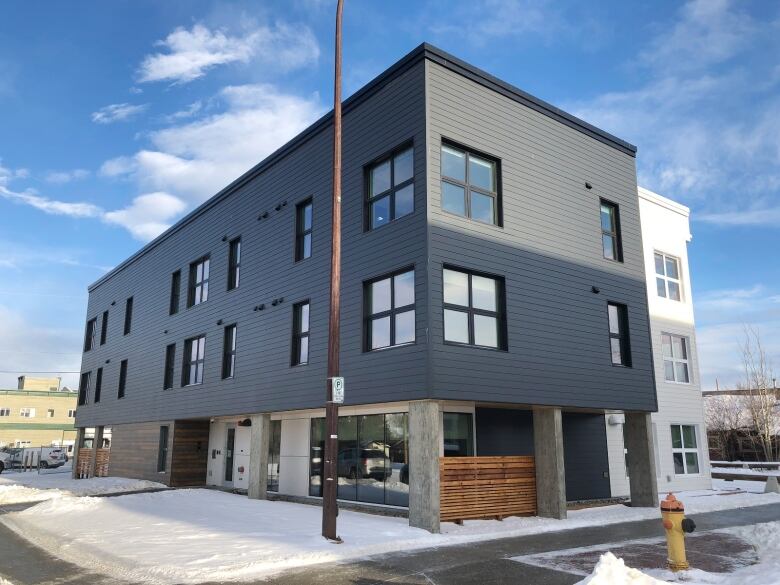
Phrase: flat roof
{"type": "Point", "coordinates": [423, 51]}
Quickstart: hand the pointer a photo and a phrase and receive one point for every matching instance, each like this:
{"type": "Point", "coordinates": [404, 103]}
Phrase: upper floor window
{"type": "Point", "coordinates": [128, 315]}
{"type": "Point", "coordinates": [685, 450]}
{"type": "Point", "coordinates": [170, 357]}
{"type": "Point", "coordinates": [72, 413]}
{"type": "Point", "coordinates": [675, 351]}
{"type": "Point", "coordinates": [98, 384]}
{"type": "Point", "coordinates": [300, 345]}
{"type": "Point", "coordinates": [122, 379]}
{"type": "Point", "coordinates": [50, 413]}
{"type": "Point", "coordinates": [229, 353]}
{"type": "Point", "coordinates": [234, 264]}
{"type": "Point", "coordinates": [104, 328]}
{"type": "Point", "coordinates": [84, 388]}
{"type": "Point", "coordinates": [27, 413]}
{"type": "Point", "coordinates": [619, 344]}
{"type": "Point", "coordinates": [611, 242]}
{"type": "Point", "coordinates": [5, 412]}
{"type": "Point", "coordinates": [474, 309]}
{"type": "Point", "coordinates": [469, 185]}
{"type": "Point", "coordinates": [194, 359]}
{"type": "Point", "coordinates": [391, 188]}
{"type": "Point", "coordinates": [198, 290]}
{"type": "Point", "coordinates": [89, 335]}
{"type": "Point", "coordinates": [173, 307]}
{"type": "Point", "coordinates": [667, 276]}
{"type": "Point", "coordinates": [389, 318]}
{"type": "Point", "coordinates": [303, 227]}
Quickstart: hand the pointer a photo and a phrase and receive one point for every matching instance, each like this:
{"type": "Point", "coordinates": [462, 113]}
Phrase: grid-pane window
{"type": "Point", "coordinates": [27, 412]}
{"type": "Point", "coordinates": [667, 276]}
{"type": "Point", "coordinates": [676, 358]}
{"type": "Point", "coordinates": [391, 188]}
{"type": "Point", "coordinates": [610, 232]}
{"type": "Point", "coordinates": [685, 449]}
{"type": "Point", "coordinates": [84, 388]}
{"type": "Point", "coordinates": [122, 379]}
{"type": "Point", "coordinates": [71, 413]}
{"type": "Point", "coordinates": [175, 291]}
{"type": "Point", "coordinates": [473, 309]}
{"type": "Point", "coordinates": [619, 345]}
{"type": "Point", "coordinates": [300, 345]}
{"type": "Point", "coordinates": [98, 384]}
{"type": "Point", "coordinates": [234, 264]}
{"type": "Point", "coordinates": [170, 357]}
{"type": "Point", "coordinates": [104, 328]}
{"type": "Point", "coordinates": [389, 303]}
{"type": "Point", "coordinates": [5, 412]}
{"type": "Point", "coordinates": [303, 228]}
{"type": "Point", "coordinates": [198, 289]}
{"type": "Point", "coordinates": [469, 185]}
{"type": "Point", "coordinates": [229, 353]}
{"type": "Point", "coordinates": [194, 359]}
{"type": "Point", "coordinates": [162, 450]}
{"type": "Point", "coordinates": [89, 335]}
{"type": "Point", "coordinates": [128, 315]}
{"type": "Point", "coordinates": [458, 434]}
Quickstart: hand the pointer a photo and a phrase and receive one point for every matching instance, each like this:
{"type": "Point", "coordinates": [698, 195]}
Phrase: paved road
{"type": "Point", "coordinates": [483, 563]}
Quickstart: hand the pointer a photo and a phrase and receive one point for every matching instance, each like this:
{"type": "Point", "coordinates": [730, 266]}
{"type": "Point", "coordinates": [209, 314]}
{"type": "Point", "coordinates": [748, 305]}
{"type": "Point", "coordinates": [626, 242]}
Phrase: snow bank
{"type": "Point", "coordinates": [33, 487]}
{"type": "Point", "coordinates": [611, 570]}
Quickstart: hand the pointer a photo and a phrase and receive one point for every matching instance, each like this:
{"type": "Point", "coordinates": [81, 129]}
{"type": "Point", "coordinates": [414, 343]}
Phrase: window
{"type": "Point", "coordinates": [50, 413]}
{"type": "Point", "coordinates": [128, 315]}
{"type": "Point", "coordinates": [303, 224]}
{"type": "Point", "coordinates": [619, 344]}
{"type": "Point", "coordinates": [170, 356]}
{"type": "Point", "coordinates": [611, 243]}
{"type": "Point", "coordinates": [458, 434]}
{"type": "Point", "coordinates": [89, 335]}
{"type": "Point", "coordinates": [162, 450]}
{"type": "Point", "coordinates": [71, 413]}
{"type": "Point", "coordinates": [194, 358]}
{"type": "Point", "coordinates": [389, 303]}
{"type": "Point", "coordinates": [469, 185]}
{"type": "Point", "coordinates": [234, 264]}
{"type": "Point", "coordinates": [104, 328]}
{"type": "Point", "coordinates": [684, 450]}
{"type": "Point", "coordinates": [274, 451]}
{"type": "Point", "coordinates": [300, 345]}
{"type": "Point", "coordinates": [667, 276]}
{"type": "Point", "coordinates": [391, 188]}
{"type": "Point", "coordinates": [98, 384]}
{"type": "Point", "coordinates": [122, 379]}
{"type": "Point", "coordinates": [198, 290]}
{"type": "Point", "coordinates": [473, 309]}
{"type": "Point", "coordinates": [27, 413]}
{"type": "Point", "coordinates": [675, 352]}
{"type": "Point", "coordinates": [229, 353]}
{"type": "Point", "coordinates": [84, 388]}
{"type": "Point", "coordinates": [5, 412]}
{"type": "Point", "coordinates": [175, 290]}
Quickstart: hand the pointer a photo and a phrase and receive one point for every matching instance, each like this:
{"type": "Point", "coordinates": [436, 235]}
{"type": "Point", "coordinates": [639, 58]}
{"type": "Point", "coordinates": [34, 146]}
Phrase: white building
{"type": "Point", "coordinates": [679, 433]}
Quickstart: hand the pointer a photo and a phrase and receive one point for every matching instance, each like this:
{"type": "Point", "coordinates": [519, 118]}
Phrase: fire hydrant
{"type": "Point", "coordinates": [676, 525]}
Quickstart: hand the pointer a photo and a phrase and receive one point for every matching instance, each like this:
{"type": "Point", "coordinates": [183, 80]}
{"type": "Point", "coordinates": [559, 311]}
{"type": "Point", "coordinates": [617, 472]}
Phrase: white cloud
{"type": "Point", "coordinates": [148, 215]}
{"type": "Point", "coordinates": [51, 206]}
{"type": "Point", "coordinates": [755, 217]}
{"type": "Point", "coordinates": [62, 177]}
{"type": "Point", "coordinates": [190, 111]}
{"type": "Point", "coordinates": [117, 113]}
{"type": "Point", "coordinates": [190, 53]}
{"type": "Point", "coordinates": [121, 165]}
{"type": "Point", "coordinates": [7, 175]}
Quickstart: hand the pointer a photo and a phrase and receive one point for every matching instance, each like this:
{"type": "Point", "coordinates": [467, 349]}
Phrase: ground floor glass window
{"type": "Point", "coordinates": [273, 455]}
{"type": "Point", "coordinates": [685, 451]}
{"type": "Point", "coordinates": [458, 434]}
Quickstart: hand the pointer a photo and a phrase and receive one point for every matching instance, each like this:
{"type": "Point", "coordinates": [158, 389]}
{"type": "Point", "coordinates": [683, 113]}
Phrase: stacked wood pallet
{"type": "Point", "coordinates": [83, 463]}
{"type": "Point", "coordinates": [487, 487]}
{"type": "Point", "coordinates": [101, 462]}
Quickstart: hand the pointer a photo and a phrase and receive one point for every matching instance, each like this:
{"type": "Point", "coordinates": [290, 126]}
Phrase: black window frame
{"type": "Point", "coordinates": [623, 335]}
{"type": "Point", "coordinates": [128, 315]}
{"type": "Point", "coordinates": [98, 385]}
{"type": "Point", "coordinates": [298, 334]}
{"type": "Point", "coordinates": [120, 393]}
{"type": "Point", "coordinates": [187, 362]}
{"type": "Point", "coordinates": [162, 450]}
{"type": "Point", "coordinates": [104, 328]}
{"type": "Point", "coordinates": [234, 263]}
{"type": "Point", "coordinates": [89, 334]}
{"type": "Point", "coordinates": [203, 284]}
{"type": "Point", "coordinates": [300, 230]}
{"type": "Point", "coordinates": [84, 382]}
{"type": "Point", "coordinates": [170, 364]}
{"type": "Point", "coordinates": [173, 306]}
{"type": "Point", "coordinates": [498, 212]}
{"type": "Point", "coordinates": [369, 199]}
{"type": "Point", "coordinates": [369, 317]}
{"type": "Point", "coordinates": [615, 233]}
{"type": "Point", "coordinates": [499, 314]}
{"type": "Point", "coordinates": [229, 352]}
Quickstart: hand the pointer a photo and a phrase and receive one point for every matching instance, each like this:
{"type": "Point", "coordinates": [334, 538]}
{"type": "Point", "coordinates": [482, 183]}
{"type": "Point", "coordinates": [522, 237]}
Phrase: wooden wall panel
{"type": "Point", "coordinates": [189, 457]}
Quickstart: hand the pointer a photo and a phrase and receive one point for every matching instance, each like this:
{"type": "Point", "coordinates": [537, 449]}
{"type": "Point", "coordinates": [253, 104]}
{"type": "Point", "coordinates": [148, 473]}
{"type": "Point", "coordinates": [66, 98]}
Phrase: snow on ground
{"type": "Point", "coordinates": [743, 471]}
{"type": "Point", "coordinates": [30, 486]}
{"type": "Point", "coordinates": [756, 487]}
{"type": "Point", "coordinates": [190, 536]}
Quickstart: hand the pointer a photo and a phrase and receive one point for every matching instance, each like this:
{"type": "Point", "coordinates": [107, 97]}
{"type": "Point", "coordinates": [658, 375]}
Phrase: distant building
{"type": "Point", "coordinates": [37, 413]}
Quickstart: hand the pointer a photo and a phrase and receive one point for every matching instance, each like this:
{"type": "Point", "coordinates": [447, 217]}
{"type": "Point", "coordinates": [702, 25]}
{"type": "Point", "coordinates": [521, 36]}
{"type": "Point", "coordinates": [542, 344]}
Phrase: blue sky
{"type": "Point", "coordinates": [116, 118]}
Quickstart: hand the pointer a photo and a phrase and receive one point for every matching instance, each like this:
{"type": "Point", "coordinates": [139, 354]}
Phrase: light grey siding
{"type": "Point", "coordinates": [548, 250]}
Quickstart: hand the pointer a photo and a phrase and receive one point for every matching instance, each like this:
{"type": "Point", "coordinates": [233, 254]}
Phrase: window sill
{"type": "Point", "coordinates": [369, 229]}
{"type": "Point", "coordinates": [471, 220]}
{"type": "Point", "coordinates": [470, 346]}
{"type": "Point", "coordinates": [396, 346]}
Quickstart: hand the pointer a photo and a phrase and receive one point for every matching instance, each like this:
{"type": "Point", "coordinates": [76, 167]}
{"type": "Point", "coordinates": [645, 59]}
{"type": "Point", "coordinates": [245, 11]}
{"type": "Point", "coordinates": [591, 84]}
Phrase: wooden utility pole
{"type": "Point", "coordinates": [330, 483]}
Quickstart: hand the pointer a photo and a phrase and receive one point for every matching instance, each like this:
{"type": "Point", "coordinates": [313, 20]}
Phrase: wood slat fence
{"type": "Point", "coordinates": [487, 487]}
{"type": "Point", "coordinates": [84, 463]}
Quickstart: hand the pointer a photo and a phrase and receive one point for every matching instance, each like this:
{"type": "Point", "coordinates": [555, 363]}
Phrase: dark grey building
{"type": "Point", "coordinates": [493, 303]}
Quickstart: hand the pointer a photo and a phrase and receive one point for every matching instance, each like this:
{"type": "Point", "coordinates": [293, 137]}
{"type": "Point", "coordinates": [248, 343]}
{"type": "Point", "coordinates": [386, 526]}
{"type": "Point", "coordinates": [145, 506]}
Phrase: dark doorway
{"type": "Point", "coordinates": [229, 448]}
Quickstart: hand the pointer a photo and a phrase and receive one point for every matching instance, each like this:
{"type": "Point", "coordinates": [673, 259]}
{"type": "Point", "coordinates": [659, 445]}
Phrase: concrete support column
{"type": "Point", "coordinates": [76, 449]}
{"type": "Point", "coordinates": [96, 442]}
{"type": "Point", "coordinates": [426, 444]}
{"type": "Point", "coordinates": [259, 442]}
{"type": "Point", "coordinates": [548, 454]}
{"type": "Point", "coordinates": [641, 459]}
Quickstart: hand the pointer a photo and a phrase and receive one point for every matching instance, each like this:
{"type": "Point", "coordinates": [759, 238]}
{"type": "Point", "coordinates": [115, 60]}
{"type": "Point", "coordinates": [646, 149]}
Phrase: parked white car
{"type": "Point", "coordinates": [5, 461]}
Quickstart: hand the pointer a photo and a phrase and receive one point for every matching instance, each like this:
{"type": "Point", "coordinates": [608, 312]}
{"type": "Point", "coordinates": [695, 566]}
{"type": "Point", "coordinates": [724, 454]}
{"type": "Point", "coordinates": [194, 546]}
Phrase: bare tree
{"type": "Point", "coordinates": [760, 398]}
{"type": "Point", "coordinates": [725, 418]}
